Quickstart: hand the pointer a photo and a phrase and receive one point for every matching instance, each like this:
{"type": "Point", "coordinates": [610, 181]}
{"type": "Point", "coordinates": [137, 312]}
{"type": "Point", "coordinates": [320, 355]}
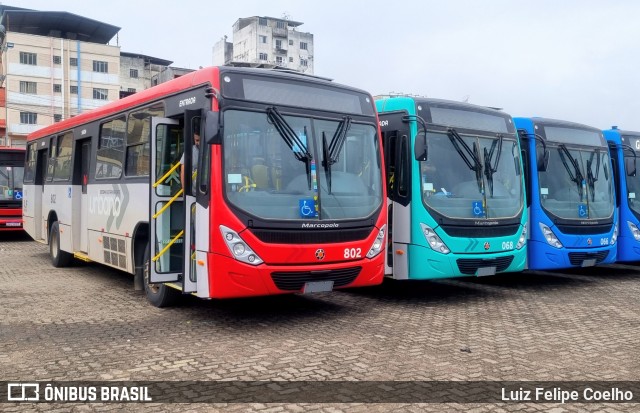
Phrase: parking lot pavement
{"type": "Point", "coordinates": [87, 323]}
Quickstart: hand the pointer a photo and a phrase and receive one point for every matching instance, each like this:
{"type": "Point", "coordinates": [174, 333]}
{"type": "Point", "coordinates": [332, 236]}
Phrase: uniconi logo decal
{"type": "Point", "coordinates": [110, 202]}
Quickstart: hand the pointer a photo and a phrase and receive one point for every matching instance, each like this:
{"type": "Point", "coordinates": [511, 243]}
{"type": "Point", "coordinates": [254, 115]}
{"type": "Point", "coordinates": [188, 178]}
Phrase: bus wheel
{"type": "Point", "coordinates": [159, 295]}
{"type": "Point", "coordinates": [59, 258]}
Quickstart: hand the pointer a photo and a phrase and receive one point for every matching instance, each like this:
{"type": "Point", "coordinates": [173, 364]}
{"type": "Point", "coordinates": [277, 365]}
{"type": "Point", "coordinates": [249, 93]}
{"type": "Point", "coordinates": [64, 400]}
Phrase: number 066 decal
{"type": "Point", "coordinates": [352, 253]}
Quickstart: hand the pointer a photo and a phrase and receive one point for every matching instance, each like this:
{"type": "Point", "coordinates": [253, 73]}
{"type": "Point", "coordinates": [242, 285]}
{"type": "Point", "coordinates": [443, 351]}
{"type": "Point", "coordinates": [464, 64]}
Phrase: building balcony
{"type": "Point", "coordinates": [281, 50]}
{"type": "Point", "coordinates": [277, 32]}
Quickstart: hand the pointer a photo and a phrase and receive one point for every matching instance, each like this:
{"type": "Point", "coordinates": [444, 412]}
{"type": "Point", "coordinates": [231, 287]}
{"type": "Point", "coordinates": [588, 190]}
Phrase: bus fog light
{"type": "Point", "coordinates": [634, 230]}
{"type": "Point", "coordinates": [238, 248]}
{"type": "Point", "coordinates": [550, 236]}
{"type": "Point", "coordinates": [434, 241]}
{"type": "Point", "coordinates": [377, 244]}
{"type": "Point", "coordinates": [523, 237]}
{"type": "Point", "coordinates": [614, 237]}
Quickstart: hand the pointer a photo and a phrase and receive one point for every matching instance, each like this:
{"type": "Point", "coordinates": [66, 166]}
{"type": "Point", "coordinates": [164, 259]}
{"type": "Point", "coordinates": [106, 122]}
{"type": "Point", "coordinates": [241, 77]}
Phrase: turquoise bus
{"type": "Point", "coordinates": [456, 197]}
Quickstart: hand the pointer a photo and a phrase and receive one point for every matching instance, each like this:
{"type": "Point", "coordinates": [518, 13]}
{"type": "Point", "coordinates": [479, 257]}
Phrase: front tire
{"type": "Point", "coordinates": [59, 258]}
{"type": "Point", "coordinates": [159, 295]}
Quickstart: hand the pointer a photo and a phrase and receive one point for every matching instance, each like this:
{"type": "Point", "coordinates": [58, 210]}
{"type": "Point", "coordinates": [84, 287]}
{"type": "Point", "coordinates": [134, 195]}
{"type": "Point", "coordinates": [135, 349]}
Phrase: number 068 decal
{"type": "Point", "coordinates": [352, 253]}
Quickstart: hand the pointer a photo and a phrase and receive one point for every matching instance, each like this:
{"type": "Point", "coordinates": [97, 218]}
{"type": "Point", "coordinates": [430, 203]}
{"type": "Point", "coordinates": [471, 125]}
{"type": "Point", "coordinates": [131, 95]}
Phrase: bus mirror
{"type": "Point", "coordinates": [543, 160]}
{"type": "Point", "coordinates": [420, 149]}
{"type": "Point", "coordinates": [212, 128]}
{"type": "Point", "coordinates": [630, 166]}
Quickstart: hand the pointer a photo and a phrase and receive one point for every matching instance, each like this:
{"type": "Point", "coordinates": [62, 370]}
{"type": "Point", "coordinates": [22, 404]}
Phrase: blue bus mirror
{"type": "Point", "coordinates": [420, 149]}
{"type": "Point", "coordinates": [212, 128]}
{"type": "Point", "coordinates": [630, 166]}
{"type": "Point", "coordinates": [543, 161]}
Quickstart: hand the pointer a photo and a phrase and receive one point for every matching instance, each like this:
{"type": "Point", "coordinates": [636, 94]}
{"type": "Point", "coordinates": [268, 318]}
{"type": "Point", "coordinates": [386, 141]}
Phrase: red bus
{"type": "Point", "coordinates": [283, 194]}
{"type": "Point", "coordinates": [11, 172]}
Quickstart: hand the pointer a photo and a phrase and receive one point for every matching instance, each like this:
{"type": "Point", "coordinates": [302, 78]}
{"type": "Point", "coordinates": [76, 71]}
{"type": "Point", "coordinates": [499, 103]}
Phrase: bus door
{"type": "Point", "coordinates": [167, 212]}
{"type": "Point", "coordinates": [40, 223]}
{"type": "Point", "coordinates": [81, 199]}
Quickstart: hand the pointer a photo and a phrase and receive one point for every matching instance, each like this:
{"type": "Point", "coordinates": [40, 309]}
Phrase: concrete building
{"type": "Point", "coordinates": [266, 42]}
{"type": "Point", "coordinates": [55, 65]}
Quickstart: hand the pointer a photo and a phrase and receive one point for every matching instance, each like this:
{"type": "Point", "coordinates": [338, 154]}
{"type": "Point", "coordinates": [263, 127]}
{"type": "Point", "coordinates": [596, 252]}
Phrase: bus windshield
{"type": "Point", "coordinates": [275, 166]}
{"type": "Point", "coordinates": [479, 183]}
{"type": "Point", "coordinates": [577, 183]}
{"type": "Point", "coordinates": [11, 183]}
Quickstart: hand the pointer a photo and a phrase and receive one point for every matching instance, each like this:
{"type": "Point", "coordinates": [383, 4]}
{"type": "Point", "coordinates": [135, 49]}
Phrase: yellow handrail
{"type": "Point", "coordinates": [168, 245]}
{"type": "Point", "coordinates": [165, 176]}
{"type": "Point", "coordinates": [157, 214]}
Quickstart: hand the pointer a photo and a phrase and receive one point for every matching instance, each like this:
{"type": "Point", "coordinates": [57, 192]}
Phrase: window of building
{"type": "Point", "coordinates": [279, 60]}
{"type": "Point", "coordinates": [138, 147]}
{"type": "Point", "coordinates": [303, 62]}
{"type": "Point", "coordinates": [264, 56]}
{"type": "Point", "coordinates": [57, 60]}
{"type": "Point", "coordinates": [278, 44]}
{"type": "Point", "coordinates": [100, 94]}
{"type": "Point", "coordinates": [131, 90]}
{"type": "Point", "coordinates": [73, 61]}
{"type": "Point", "coordinates": [263, 39]}
{"type": "Point", "coordinates": [303, 45]}
{"type": "Point", "coordinates": [28, 118]}
{"type": "Point", "coordinates": [281, 25]}
{"type": "Point", "coordinates": [28, 58]}
{"type": "Point", "coordinates": [57, 88]}
{"type": "Point", "coordinates": [133, 73]}
{"type": "Point", "coordinates": [57, 117]}
{"type": "Point", "coordinates": [110, 149]}
{"type": "Point", "coordinates": [100, 66]}
{"type": "Point", "coordinates": [62, 170]}
{"type": "Point", "coordinates": [290, 42]}
{"type": "Point", "coordinates": [28, 87]}
{"type": "Point", "coordinates": [262, 21]}
{"type": "Point", "coordinates": [73, 90]}
{"type": "Point", "coordinates": [291, 60]}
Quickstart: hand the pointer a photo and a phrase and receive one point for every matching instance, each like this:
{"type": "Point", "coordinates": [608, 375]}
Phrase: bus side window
{"type": "Point", "coordinates": [613, 155]}
{"type": "Point", "coordinates": [51, 159]}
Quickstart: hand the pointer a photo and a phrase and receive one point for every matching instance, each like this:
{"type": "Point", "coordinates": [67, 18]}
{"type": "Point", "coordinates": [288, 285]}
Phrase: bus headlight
{"type": "Point", "coordinates": [634, 230]}
{"type": "Point", "coordinates": [614, 237]}
{"type": "Point", "coordinates": [550, 236]}
{"type": "Point", "coordinates": [523, 237]}
{"type": "Point", "coordinates": [434, 240]}
{"type": "Point", "coordinates": [238, 248]}
{"type": "Point", "coordinates": [378, 244]}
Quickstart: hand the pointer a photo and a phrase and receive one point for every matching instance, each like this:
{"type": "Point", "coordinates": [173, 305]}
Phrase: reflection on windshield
{"type": "Point", "coordinates": [11, 183]}
{"type": "Point", "coordinates": [267, 176]}
{"type": "Point", "coordinates": [454, 184]}
{"type": "Point", "coordinates": [577, 183]}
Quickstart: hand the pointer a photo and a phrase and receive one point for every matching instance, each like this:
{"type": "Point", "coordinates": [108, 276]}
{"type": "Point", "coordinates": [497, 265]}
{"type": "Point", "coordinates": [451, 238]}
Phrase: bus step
{"type": "Point", "coordinates": [81, 256]}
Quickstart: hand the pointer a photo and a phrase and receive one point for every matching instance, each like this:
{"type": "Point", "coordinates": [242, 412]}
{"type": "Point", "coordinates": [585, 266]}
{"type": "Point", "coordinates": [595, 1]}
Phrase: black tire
{"type": "Point", "coordinates": [59, 258]}
{"type": "Point", "coordinates": [159, 295]}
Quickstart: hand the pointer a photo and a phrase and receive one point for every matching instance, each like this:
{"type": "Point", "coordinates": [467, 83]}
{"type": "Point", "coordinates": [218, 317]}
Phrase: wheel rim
{"type": "Point", "coordinates": [54, 246]}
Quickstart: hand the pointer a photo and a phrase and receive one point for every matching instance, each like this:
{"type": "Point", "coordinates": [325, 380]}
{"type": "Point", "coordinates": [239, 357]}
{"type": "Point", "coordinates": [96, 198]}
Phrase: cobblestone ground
{"type": "Point", "coordinates": [87, 323]}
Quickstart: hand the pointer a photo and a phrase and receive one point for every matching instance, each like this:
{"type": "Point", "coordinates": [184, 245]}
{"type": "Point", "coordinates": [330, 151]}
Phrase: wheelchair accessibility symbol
{"type": "Point", "coordinates": [17, 195]}
{"type": "Point", "coordinates": [307, 208]}
{"type": "Point", "coordinates": [477, 209]}
{"type": "Point", "coordinates": [582, 210]}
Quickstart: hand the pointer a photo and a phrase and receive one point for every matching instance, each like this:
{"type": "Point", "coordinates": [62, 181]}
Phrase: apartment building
{"type": "Point", "coordinates": [266, 42]}
{"type": "Point", "coordinates": [139, 72]}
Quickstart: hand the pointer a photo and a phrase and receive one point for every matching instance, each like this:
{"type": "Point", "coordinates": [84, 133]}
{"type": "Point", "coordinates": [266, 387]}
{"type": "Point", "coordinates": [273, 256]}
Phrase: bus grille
{"type": "Point", "coordinates": [114, 252]}
{"type": "Point", "coordinates": [295, 280]}
{"type": "Point", "coordinates": [576, 258]}
{"type": "Point", "coordinates": [585, 229]}
{"type": "Point", "coordinates": [472, 231]}
{"type": "Point", "coordinates": [470, 265]}
{"type": "Point", "coordinates": [311, 237]}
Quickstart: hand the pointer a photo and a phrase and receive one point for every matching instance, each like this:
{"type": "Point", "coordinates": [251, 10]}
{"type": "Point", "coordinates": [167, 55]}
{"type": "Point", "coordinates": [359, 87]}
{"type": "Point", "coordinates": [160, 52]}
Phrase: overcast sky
{"type": "Point", "coordinates": [575, 60]}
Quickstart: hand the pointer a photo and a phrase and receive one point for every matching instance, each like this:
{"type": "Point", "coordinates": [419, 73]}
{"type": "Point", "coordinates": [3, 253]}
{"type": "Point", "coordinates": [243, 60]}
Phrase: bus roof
{"type": "Point", "coordinates": [561, 123]}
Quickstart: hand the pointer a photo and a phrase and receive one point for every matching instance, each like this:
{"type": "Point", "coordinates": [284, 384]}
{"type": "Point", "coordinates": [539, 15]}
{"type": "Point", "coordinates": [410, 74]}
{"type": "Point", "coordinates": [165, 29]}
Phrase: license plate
{"type": "Point", "coordinates": [484, 271]}
{"type": "Point", "coordinates": [589, 263]}
{"type": "Point", "coordinates": [317, 287]}
{"type": "Point", "coordinates": [13, 224]}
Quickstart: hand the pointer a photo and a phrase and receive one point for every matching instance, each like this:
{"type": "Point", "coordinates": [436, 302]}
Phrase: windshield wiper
{"type": "Point", "coordinates": [489, 168]}
{"type": "Point", "coordinates": [473, 156]}
{"type": "Point", "coordinates": [331, 152]}
{"type": "Point", "coordinates": [577, 177]}
{"type": "Point", "coordinates": [293, 141]}
{"type": "Point", "coordinates": [591, 179]}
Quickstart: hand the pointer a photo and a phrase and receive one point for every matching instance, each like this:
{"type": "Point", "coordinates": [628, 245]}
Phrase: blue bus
{"type": "Point", "coordinates": [456, 189]}
{"type": "Point", "coordinates": [622, 148]}
{"type": "Point", "coordinates": [571, 195]}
